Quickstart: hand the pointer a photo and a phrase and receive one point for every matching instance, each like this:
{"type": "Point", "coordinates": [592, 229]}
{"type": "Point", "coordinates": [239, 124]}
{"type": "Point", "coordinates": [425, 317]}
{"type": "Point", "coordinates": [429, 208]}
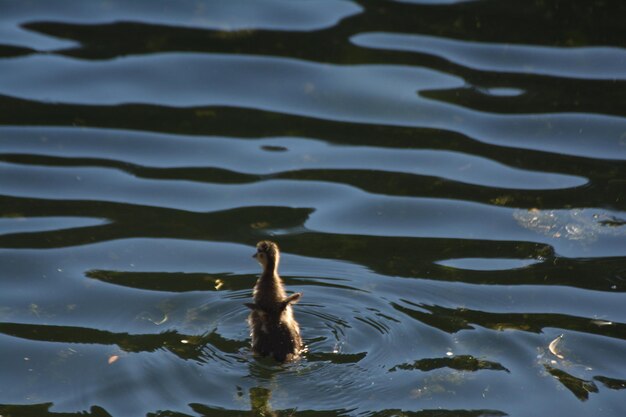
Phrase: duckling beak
{"type": "Point", "coordinates": [255, 255]}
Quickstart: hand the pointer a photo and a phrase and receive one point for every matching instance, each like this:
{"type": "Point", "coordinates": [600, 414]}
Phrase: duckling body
{"type": "Point", "coordinates": [273, 328]}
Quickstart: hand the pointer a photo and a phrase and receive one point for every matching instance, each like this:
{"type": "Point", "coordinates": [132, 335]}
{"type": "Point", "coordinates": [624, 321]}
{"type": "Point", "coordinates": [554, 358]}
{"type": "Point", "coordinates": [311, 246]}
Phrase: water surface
{"type": "Point", "coordinates": [446, 179]}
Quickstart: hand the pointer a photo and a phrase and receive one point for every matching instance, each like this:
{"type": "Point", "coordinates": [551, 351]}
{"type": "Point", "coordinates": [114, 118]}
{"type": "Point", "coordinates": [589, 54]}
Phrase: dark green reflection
{"type": "Point", "coordinates": [542, 23]}
{"type": "Point", "coordinates": [259, 398]}
{"type": "Point", "coordinates": [174, 281]}
{"type": "Point", "coordinates": [546, 22]}
{"type": "Point", "coordinates": [194, 347]}
{"type": "Point", "coordinates": [542, 95]}
{"type": "Point", "coordinates": [438, 413]}
{"type": "Point", "coordinates": [396, 256]}
{"type": "Point", "coordinates": [43, 410]}
{"type": "Point", "coordinates": [183, 282]}
{"type": "Point", "coordinates": [10, 51]}
{"type": "Point", "coordinates": [244, 224]}
{"type": "Point", "coordinates": [460, 363]}
{"type": "Point", "coordinates": [612, 383]}
{"type": "Point", "coordinates": [199, 174]}
{"type": "Point", "coordinates": [579, 387]}
{"type": "Point", "coordinates": [336, 358]}
{"type": "Point", "coordinates": [226, 121]}
{"type": "Point", "coordinates": [453, 320]}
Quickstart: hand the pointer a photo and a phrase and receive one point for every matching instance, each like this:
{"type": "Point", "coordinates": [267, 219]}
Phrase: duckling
{"type": "Point", "coordinates": [273, 329]}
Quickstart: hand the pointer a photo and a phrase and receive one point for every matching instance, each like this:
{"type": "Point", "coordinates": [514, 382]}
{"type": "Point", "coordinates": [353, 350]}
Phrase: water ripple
{"type": "Point", "coordinates": [594, 63]}
{"type": "Point", "coordinates": [445, 180]}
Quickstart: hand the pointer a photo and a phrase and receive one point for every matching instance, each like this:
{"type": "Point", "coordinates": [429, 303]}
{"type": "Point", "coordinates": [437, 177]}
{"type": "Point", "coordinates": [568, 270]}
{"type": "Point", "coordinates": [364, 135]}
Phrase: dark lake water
{"type": "Point", "coordinates": [446, 180]}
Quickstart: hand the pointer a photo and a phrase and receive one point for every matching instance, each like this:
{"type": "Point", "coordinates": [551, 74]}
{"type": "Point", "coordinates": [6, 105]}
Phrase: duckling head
{"type": "Point", "coordinates": [267, 254]}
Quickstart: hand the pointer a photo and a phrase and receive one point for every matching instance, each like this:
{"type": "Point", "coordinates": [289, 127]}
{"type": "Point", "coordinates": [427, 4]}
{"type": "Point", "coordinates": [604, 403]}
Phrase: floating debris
{"type": "Point", "coordinates": [113, 359]}
{"type": "Point", "coordinates": [144, 315]}
{"type": "Point", "coordinates": [553, 347]}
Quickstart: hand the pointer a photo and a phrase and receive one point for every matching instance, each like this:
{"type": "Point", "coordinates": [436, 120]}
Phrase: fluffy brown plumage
{"type": "Point", "coordinates": [273, 329]}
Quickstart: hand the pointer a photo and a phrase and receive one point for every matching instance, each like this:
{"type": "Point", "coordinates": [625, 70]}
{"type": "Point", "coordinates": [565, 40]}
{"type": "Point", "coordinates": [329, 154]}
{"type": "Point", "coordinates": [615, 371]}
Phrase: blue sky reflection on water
{"type": "Point", "coordinates": [445, 179]}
